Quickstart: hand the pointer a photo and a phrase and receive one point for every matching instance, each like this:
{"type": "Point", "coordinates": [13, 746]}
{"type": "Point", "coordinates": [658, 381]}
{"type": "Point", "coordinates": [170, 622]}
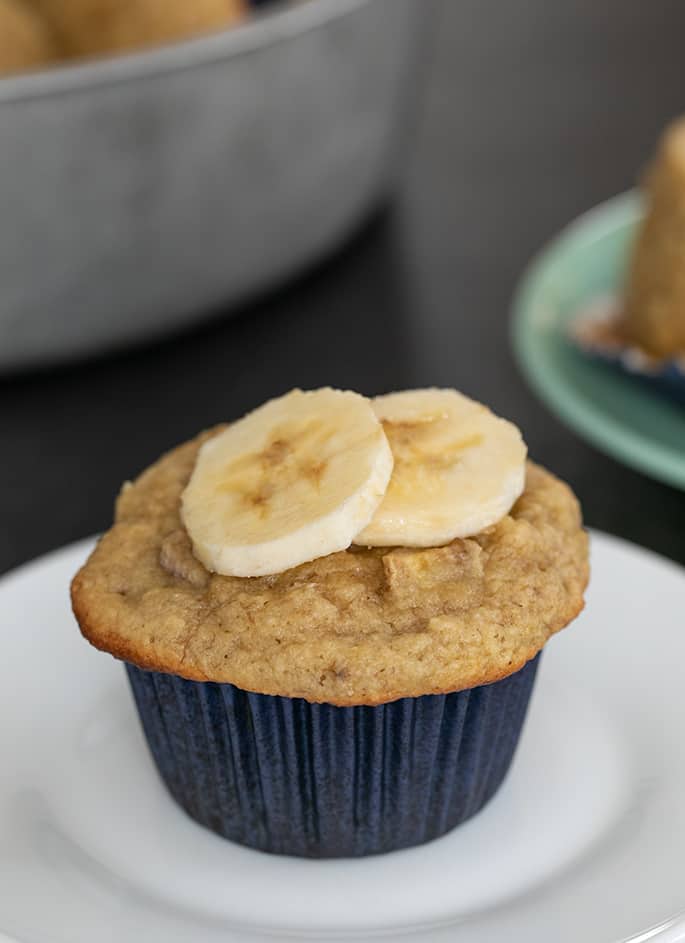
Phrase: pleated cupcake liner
{"type": "Point", "coordinates": [591, 333]}
{"type": "Point", "coordinates": [285, 776]}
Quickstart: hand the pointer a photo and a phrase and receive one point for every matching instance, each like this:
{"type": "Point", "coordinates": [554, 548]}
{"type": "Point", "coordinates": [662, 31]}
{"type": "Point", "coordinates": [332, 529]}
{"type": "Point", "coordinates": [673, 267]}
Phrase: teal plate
{"type": "Point", "coordinates": [613, 411]}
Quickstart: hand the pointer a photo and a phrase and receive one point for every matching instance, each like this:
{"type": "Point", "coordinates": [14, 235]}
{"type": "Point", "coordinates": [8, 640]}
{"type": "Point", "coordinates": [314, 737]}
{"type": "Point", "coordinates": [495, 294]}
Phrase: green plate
{"type": "Point", "coordinates": [614, 412]}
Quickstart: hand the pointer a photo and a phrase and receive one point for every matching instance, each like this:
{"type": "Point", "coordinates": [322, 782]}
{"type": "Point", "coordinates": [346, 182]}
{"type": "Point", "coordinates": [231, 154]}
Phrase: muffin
{"type": "Point", "coordinates": [331, 613]}
{"type": "Point", "coordinates": [25, 39]}
{"type": "Point", "coordinates": [654, 316]}
{"type": "Point", "coordinates": [88, 27]}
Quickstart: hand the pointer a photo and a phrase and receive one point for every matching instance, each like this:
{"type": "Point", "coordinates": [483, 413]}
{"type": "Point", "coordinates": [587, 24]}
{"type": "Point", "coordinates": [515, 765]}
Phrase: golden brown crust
{"type": "Point", "coordinates": [364, 626]}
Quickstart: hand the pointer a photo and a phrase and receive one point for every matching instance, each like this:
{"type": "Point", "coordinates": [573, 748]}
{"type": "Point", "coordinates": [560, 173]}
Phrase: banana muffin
{"type": "Point", "coordinates": [331, 612]}
{"type": "Point", "coordinates": [654, 316]}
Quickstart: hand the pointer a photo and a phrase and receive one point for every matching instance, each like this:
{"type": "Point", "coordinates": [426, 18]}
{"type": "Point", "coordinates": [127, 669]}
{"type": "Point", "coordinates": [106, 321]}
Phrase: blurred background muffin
{"type": "Point", "coordinates": [89, 27]}
{"type": "Point", "coordinates": [654, 317]}
{"type": "Point", "coordinates": [25, 37]}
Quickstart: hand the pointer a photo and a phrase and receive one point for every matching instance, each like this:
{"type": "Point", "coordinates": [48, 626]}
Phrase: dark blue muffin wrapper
{"type": "Point", "coordinates": [286, 776]}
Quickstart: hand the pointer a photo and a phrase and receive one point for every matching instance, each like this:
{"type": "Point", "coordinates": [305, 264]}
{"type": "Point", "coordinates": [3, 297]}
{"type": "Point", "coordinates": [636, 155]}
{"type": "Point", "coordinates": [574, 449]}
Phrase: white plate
{"type": "Point", "coordinates": [585, 841]}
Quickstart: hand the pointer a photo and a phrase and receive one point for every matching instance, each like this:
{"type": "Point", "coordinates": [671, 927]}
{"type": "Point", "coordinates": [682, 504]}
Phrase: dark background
{"type": "Point", "coordinates": [534, 112]}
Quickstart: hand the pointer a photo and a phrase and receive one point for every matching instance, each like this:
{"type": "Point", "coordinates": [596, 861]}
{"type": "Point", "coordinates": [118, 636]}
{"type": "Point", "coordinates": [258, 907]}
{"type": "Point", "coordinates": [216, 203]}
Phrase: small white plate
{"type": "Point", "coordinates": [585, 841]}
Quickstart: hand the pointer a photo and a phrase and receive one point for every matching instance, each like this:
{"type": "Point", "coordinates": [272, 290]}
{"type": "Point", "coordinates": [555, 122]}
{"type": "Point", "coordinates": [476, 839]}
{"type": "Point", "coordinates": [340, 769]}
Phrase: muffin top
{"type": "Point", "coordinates": [365, 625]}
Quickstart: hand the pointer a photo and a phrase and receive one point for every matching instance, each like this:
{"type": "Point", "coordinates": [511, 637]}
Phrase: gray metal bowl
{"type": "Point", "coordinates": [139, 192]}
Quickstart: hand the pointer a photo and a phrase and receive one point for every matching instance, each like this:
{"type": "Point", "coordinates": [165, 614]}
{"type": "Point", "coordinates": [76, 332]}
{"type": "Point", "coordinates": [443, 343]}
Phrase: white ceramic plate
{"type": "Point", "coordinates": [585, 842]}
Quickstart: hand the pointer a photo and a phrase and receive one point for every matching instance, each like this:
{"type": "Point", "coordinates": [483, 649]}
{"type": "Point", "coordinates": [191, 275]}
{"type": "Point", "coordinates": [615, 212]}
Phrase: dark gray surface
{"type": "Point", "coordinates": [534, 113]}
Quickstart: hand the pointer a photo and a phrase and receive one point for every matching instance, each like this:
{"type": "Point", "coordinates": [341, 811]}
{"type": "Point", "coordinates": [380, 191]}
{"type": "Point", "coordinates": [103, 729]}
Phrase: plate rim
{"type": "Point", "coordinates": [606, 434]}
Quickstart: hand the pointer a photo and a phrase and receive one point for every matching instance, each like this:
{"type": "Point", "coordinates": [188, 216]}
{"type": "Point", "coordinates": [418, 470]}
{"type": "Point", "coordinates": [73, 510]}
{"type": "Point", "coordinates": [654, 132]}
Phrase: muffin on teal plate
{"type": "Point", "coordinates": [331, 613]}
{"type": "Point", "coordinates": [599, 321]}
{"type": "Point", "coordinates": [642, 329]}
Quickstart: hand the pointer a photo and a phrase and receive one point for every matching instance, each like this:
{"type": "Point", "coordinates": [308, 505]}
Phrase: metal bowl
{"type": "Point", "coordinates": [138, 193]}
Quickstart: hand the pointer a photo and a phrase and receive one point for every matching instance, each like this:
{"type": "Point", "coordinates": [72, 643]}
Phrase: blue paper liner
{"type": "Point", "coordinates": [286, 776]}
{"type": "Point", "coordinates": [596, 332]}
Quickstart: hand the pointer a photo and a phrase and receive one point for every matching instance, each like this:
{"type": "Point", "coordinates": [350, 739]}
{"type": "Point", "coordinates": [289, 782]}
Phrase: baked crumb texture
{"type": "Point", "coordinates": [365, 626]}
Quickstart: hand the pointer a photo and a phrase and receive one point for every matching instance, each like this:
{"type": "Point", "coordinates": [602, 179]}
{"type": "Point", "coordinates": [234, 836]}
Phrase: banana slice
{"type": "Point", "coordinates": [296, 479]}
{"type": "Point", "coordinates": [458, 469]}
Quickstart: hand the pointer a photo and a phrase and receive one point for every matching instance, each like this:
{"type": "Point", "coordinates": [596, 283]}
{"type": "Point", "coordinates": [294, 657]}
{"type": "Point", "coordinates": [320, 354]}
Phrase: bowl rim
{"type": "Point", "coordinates": [263, 28]}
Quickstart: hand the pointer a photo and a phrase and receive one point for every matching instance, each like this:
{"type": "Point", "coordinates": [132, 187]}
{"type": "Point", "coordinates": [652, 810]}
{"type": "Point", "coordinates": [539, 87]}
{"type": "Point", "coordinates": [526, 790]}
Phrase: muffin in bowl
{"type": "Point", "coordinates": [26, 40]}
{"type": "Point", "coordinates": [92, 27]}
{"type": "Point", "coordinates": [331, 613]}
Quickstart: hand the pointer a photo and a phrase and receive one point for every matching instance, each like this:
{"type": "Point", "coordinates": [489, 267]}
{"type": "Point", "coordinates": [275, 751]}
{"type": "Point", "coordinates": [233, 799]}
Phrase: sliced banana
{"type": "Point", "coordinates": [458, 469]}
{"type": "Point", "coordinates": [294, 480]}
